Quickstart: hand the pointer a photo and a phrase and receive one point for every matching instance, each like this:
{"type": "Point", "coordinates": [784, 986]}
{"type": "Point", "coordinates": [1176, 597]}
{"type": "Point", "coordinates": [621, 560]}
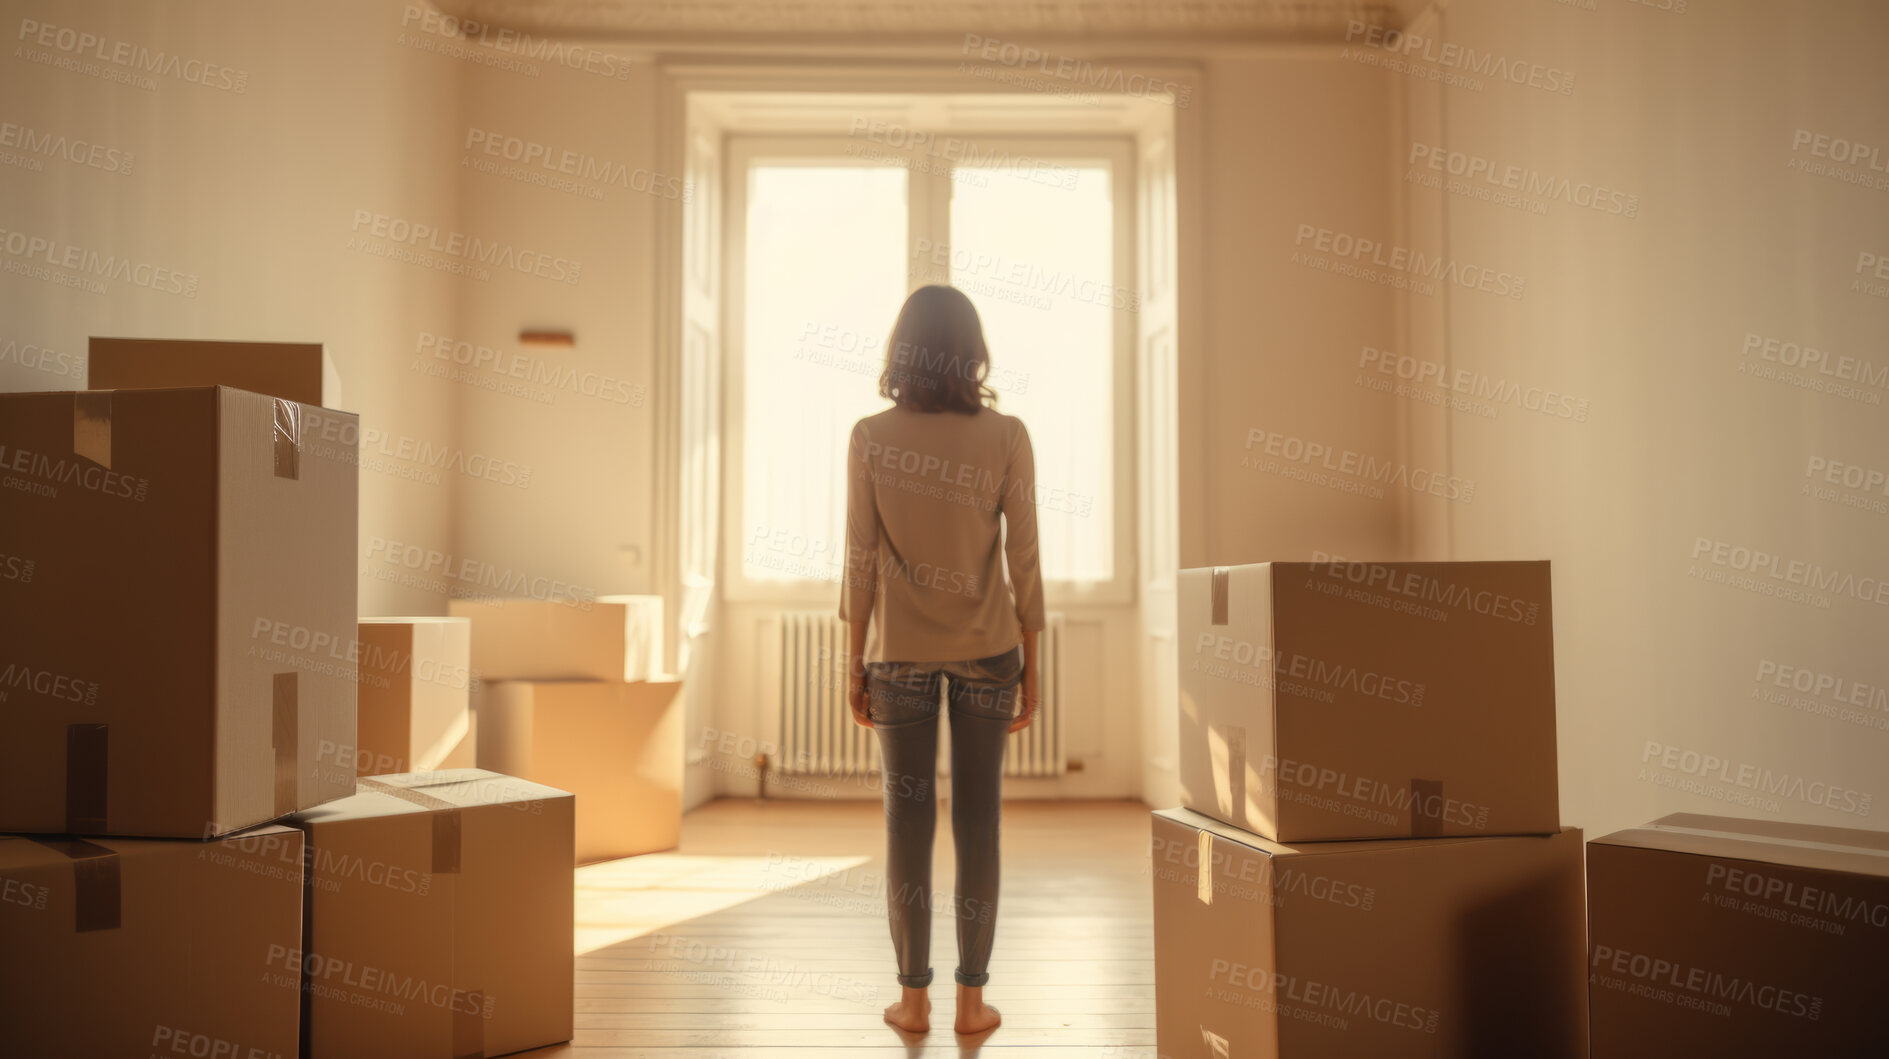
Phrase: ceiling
{"type": "Point", "coordinates": [707, 21]}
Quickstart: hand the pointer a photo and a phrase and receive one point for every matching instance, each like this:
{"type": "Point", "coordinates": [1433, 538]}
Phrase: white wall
{"type": "Point", "coordinates": [1291, 139]}
{"type": "Point", "coordinates": [1645, 319]}
{"type": "Point", "coordinates": [585, 516]}
{"type": "Point", "coordinates": [249, 198]}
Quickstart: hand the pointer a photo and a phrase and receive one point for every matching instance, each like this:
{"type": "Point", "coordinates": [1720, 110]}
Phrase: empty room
{"type": "Point", "coordinates": [1032, 529]}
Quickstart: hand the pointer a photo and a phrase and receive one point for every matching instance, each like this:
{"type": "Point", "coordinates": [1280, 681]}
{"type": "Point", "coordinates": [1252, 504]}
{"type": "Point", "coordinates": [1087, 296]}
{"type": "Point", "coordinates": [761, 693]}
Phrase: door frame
{"type": "Point", "coordinates": [701, 102]}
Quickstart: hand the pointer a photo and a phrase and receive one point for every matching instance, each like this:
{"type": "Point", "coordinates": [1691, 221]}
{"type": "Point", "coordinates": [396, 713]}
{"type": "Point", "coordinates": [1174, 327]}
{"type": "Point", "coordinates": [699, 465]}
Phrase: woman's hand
{"type": "Point", "coordinates": [857, 699]}
{"type": "Point", "coordinates": [1032, 691]}
{"type": "Point", "coordinates": [1031, 696]}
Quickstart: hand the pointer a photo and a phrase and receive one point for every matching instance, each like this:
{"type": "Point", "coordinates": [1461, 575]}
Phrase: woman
{"type": "Point", "coordinates": [926, 598]}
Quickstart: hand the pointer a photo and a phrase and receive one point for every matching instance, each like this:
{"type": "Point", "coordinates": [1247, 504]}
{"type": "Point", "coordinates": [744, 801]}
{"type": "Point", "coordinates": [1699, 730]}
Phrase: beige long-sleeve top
{"type": "Point", "coordinates": [924, 494]}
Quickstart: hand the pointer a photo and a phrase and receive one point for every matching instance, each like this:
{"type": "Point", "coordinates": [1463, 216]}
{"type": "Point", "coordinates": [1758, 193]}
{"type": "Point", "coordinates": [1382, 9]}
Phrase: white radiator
{"type": "Point", "coordinates": [818, 736]}
{"type": "Point", "coordinates": [817, 733]}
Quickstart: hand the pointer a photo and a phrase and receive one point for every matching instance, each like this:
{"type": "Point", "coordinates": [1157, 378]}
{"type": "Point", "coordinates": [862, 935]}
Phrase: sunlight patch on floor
{"type": "Point", "coordinates": [622, 899]}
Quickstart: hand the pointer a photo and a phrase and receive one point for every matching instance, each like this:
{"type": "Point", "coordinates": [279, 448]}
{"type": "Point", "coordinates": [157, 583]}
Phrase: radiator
{"type": "Point", "coordinates": [1038, 749]}
{"type": "Point", "coordinates": [817, 733]}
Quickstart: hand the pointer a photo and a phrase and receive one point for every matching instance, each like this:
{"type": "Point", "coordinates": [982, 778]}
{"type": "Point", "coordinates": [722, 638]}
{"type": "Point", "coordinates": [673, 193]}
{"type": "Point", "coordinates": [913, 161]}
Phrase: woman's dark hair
{"type": "Point", "coordinates": [936, 360]}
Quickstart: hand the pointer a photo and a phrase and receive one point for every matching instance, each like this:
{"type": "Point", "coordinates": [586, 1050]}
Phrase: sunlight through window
{"type": "Point", "coordinates": [1033, 248]}
{"type": "Point", "coordinates": [832, 249]}
{"type": "Point", "coordinates": [825, 278]}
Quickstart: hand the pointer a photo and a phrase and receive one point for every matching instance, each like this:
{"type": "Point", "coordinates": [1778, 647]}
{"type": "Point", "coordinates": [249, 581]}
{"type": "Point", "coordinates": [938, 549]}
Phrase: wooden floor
{"type": "Point", "coordinates": [765, 935]}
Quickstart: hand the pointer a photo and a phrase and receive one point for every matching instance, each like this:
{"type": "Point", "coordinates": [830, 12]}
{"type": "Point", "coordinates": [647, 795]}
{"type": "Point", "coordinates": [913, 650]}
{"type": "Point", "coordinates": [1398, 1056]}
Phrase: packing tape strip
{"type": "Point", "coordinates": [92, 426]}
{"type": "Point", "coordinates": [88, 770]}
{"type": "Point", "coordinates": [468, 1024]}
{"type": "Point", "coordinates": [1422, 824]}
{"type": "Point", "coordinates": [288, 439]}
{"type": "Point", "coordinates": [97, 887]}
{"type": "Point", "coordinates": [446, 827]}
{"type": "Point", "coordinates": [1799, 843]}
{"type": "Point", "coordinates": [446, 841]}
{"type": "Point", "coordinates": [286, 738]}
{"type": "Point", "coordinates": [443, 778]}
{"type": "Point", "coordinates": [1203, 879]}
{"type": "Point", "coordinates": [1219, 593]}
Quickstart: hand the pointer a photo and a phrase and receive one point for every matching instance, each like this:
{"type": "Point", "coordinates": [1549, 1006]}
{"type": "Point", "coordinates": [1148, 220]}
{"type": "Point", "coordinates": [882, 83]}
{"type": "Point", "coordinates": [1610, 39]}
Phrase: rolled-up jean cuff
{"type": "Point", "coordinates": [916, 981]}
{"type": "Point", "coordinates": [973, 979]}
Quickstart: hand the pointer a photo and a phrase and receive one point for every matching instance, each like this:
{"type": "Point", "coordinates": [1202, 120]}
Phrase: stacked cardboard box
{"type": "Point", "coordinates": [1718, 936]}
{"type": "Point", "coordinates": [415, 696]}
{"type": "Point", "coordinates": [572, 695]}
{"type": "Point", "coordinates": [1370, 860]}
{"type": "Point", "coordinates": [293, 371]}
{"type": "Point", "coordinates": [114, 946]}
{"type": "Point", "coordinates": [182, 656]}
{"type": "Point", "coordinates": [618, 746]}
{"type": "Point", "coordinates": [602, 638]}
{"type": "Point", "coordinates": [178, 622]}
{"type": "Point", "coordinates": [439, 917]}
{"type": "Point", "coordinates": [178, 668]}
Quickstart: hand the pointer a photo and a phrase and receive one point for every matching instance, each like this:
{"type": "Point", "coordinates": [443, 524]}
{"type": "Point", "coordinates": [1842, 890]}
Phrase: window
{"type": "Point", "coordinates": [827, 236]}
{"type": "Point", "coordinates": [825, 258]}
{"type": "Point", "coordinates": [1034, 256]}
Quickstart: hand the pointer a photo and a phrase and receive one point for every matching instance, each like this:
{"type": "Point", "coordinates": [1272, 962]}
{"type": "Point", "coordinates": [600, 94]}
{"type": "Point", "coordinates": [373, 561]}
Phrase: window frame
{"type": "Point", "coordinates": [928, 194]}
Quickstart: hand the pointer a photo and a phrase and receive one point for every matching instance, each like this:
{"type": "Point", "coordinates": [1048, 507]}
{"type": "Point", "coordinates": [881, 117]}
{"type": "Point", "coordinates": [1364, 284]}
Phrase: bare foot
{"type": "Point", "coordinates": [975, 1016]}
{"type": "Point", "coordinates": [912, 1013]}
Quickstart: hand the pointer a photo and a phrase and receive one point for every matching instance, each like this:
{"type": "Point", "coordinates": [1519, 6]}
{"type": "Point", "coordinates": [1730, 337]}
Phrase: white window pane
{"type": "Point", "coordinates": [1033, 247]}
{"type": "Point", "coordinates": [825, 278]}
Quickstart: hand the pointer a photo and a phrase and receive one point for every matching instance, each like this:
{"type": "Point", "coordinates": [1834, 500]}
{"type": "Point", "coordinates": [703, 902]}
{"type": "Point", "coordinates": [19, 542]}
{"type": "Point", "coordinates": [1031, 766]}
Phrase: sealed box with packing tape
{"type": "Point", "coordinates": [575, 638]}
{"type": "Point", "coordinates": [415, 694]}
{"type": "Point", "coordinates": [1717, 936]}
{"type": "Point", "coordinates": [1381, 949]}
{"type": "Point", "coordinates": [293, 371]}
{"type": "Point", "coordinates": [617, 746]}
{"type": "Point", "coordinates": [440, 910]}
{"type": "Point", "coordinates": [136, 947]}
{"type": "Point", "coordinates": [185, 646]}
{"type": "Point", "coordinates": [1342, 700]}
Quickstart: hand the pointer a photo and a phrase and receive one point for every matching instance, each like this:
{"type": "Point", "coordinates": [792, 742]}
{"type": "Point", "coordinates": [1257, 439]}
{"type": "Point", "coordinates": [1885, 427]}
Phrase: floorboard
{"type": "Point", "coordinates": [765, 936]}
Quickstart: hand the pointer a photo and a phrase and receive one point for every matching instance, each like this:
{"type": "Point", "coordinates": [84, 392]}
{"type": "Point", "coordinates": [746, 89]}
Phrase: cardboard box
{"type": "Point", "coordinates": [415, 695]}
{"type": "Point", "coordinates": [293, 371]}
{"type": "Point", "coordinates": [158, 947]}
{"type": "Point", "coordinates": [465, 753]}
{"type": "Point", "coordinates": [1326, 701]}
{"type": "Point", "coordinates": [1460, 947]}
{"type": "Point", "coordinates": [440, 912]}
{"type": "Point", "coordinates": [606, 638]}
{"type": "Point", "coordinates": [1726, 937]}
{"type": "Point", "coordinates": [184, 647]}
{"type": "Point", "coordinates": [617, 746]}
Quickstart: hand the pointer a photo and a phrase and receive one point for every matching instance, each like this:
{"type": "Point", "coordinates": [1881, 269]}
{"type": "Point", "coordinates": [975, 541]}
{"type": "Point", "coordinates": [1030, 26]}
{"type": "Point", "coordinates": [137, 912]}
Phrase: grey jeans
{"type": "Point", "coordinates": [902, 700]}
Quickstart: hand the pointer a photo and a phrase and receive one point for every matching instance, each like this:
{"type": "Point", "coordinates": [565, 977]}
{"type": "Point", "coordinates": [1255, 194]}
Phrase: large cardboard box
{"type": "Point", "coordinates": [617, 746]}
{"type": "Point", "coordinates": [1725, 937]}
{"type": "Point", "coordinates": [293, 371]}
{"type": "Point", "coordinates": [465, 753]}
{"type": "Point", "coordinates": [184, 648]}
{"type": "Point", "coordinates": [415, 695]}
{"type": "Point", "coordinates": [440, 912]}
{"type": "Point", "coordinates": [1463, 947]}
{"type": "Point", "coordinates": [1342, 700]}
{"type": "Point", "coordinates": [150, 947]}
{"type": "Point", "coordinates": [606, 638]}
